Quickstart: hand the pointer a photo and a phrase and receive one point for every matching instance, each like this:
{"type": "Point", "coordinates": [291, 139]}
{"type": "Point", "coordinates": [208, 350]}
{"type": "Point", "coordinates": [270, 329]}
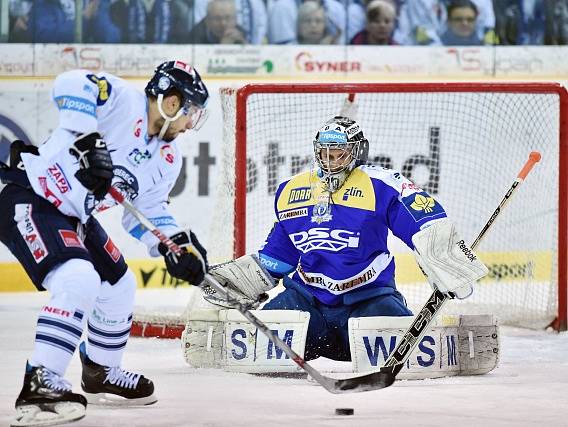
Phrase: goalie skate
{"type": "Point", "coordinates": [46, 399]}
{"type": "Point", "coordinates": [114, 386]}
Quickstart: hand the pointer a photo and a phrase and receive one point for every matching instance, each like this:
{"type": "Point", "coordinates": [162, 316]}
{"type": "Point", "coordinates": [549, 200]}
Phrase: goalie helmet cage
{"type": "Point", "coordinates": [461, 142]}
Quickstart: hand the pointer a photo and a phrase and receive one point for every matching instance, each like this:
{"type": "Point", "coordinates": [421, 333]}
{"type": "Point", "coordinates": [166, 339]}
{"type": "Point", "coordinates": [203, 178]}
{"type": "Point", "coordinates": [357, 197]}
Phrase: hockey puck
{"type": "Point", "coordinates": [344, 411]}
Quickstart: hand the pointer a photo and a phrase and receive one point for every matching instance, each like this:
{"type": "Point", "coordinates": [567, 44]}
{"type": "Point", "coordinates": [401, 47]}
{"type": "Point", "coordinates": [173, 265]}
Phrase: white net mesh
{"type": "Point", "coordinates": [465, 148]}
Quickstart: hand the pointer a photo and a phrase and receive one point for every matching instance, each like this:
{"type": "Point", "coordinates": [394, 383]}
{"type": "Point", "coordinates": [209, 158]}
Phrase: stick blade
{"type": "Point", "coordinates": [372, 381]}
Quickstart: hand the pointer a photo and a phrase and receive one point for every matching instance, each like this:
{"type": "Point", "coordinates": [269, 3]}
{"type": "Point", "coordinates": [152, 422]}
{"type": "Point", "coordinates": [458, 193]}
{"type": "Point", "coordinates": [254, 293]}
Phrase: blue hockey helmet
{"type": "Point", "coordinates": [185, 80]}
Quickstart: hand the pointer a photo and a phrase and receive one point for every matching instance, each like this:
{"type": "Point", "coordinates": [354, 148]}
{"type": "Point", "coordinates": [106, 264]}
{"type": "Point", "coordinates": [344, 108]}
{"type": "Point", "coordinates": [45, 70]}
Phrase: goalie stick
{"type": "Point", "coordinates": [366, 382]}
{"type": "Point", "coordinates": [434, 304]}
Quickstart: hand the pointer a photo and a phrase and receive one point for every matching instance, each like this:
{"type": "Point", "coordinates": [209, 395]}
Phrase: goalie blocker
{"type": "Point", "coordinates": [456, 345]}
{"type": "Point", "coordinates": [245, 279]}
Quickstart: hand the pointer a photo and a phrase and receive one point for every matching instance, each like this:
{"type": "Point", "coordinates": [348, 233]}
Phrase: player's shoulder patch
{"type": "Point", "coordinates": [422, 206]}
{"type": "Point", "coordinates": [104, 87]}
{"type": "Point", "coordinates": [295, 192]}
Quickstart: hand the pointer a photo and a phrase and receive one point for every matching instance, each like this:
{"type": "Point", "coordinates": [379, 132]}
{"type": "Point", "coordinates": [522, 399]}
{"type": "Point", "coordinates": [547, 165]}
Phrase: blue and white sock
{"type": "Point", "coordinates": [110, 321]}
{"type": "Point", "coordinates": [74, 286]}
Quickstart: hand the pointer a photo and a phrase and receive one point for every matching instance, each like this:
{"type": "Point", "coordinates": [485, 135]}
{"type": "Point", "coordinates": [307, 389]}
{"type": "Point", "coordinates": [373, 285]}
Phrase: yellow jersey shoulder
{"type": "Point", "coordinates": [297, 192]}
{"type": "Point", "coordinates": [305, 189]}
{"type": "Point", "coordinates": [357, 191]}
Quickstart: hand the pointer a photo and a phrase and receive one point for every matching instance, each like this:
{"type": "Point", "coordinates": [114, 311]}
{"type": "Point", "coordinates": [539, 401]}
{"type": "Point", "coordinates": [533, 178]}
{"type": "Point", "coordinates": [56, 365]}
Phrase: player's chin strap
{"type": "Point", "coordinates": [167, 119]}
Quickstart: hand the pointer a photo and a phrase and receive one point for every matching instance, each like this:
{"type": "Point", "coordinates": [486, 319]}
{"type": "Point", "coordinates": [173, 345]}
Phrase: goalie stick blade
{"type": "Point", "coordinates": [373, 381]}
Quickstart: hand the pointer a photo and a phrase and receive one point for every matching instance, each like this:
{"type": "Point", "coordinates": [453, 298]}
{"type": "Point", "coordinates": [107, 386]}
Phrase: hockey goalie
{"type": "Point", "coordinates": [339, 300]}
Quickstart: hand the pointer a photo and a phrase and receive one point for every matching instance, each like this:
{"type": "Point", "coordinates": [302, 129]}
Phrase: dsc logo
{"type": "Point", "coordinates": [325, 239]}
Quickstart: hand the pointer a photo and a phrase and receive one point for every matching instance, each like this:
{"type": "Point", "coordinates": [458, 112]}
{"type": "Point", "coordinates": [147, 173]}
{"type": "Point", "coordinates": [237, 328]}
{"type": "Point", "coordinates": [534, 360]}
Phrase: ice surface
{"type": "Point", "coordinates": [529, 388]}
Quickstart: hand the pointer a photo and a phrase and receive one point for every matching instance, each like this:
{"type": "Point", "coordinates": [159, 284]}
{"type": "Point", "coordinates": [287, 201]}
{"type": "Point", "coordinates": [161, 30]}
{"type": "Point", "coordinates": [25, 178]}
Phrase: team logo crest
{"type": "Point", "coordinates": [105, 88]}
{"type": "Point", "coordinates": [322, 211]}
{"type": "Point", "coordinates": [164, 83]}
{"type": "Point", "coordinates": [422, 203]}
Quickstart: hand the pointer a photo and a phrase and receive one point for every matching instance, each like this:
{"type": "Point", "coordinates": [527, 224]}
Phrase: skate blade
{"type": "Point", "coordinates": [109, 399]}
{"type": "Point", "coordinates": [48, 414]}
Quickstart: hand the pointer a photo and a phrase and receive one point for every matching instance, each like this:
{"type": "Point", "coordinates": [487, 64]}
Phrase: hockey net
{"type": "Point", "coordinates": [463, 143]}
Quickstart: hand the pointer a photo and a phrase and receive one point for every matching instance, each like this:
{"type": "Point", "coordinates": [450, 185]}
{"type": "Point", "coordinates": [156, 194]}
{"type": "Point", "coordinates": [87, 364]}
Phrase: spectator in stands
{"type": "Point", "coordinates": [556, 31]}
{"type": "Point", "coordinates": [311, 25]}
{"type": "Point", "coordinates": [520, 22]}
{"type": "Point", "coordinates": [462, 17]}
{"type": "Point", "coordinates": [283, 20]}
{"type": "Point", "coordinates": [422, 22]}
{"type": "Point", "coordinates": [381, 21]}
{"type": "Point", "coordinates": [251, 18]}
{"type": "Point", "coordinates": [219, 25]}
{"type": "Point", "coordinates": [357, 15]}
{"type": "Point", "coordinates": [52, 21]}
{"type": "Point", "coordinates": [141, 21]}
{"type": "Point", "coordinates": [183, 19]}
{"type": "Point", "coordinates": [98, 26]}
{"type": "Point", "coordinates": [19, 11]}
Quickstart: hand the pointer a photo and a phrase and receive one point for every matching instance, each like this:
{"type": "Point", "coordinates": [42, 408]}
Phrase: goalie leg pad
{"type": "Point", "coordinates": [455, 345]}
{"type": "Point", "coordinates": [225, 339]}
{"type": "Point", "coordinates": [202, 339]}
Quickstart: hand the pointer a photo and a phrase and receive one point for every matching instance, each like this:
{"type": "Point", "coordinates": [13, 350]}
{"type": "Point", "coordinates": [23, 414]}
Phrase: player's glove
{"type": "Point", "coordinates": [191, 265]}
{"type": "Point", "coordinates": [95, 163]}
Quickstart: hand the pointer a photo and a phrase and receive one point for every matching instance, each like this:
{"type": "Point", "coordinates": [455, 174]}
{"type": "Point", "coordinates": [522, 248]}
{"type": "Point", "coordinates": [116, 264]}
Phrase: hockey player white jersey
{"type": "Point", "coordinates": [145, 168]}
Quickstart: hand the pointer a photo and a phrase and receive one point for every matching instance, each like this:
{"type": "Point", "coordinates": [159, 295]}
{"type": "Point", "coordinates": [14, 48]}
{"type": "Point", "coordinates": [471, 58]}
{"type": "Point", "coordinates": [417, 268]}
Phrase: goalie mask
{"type": "Point", "coordinates": [185, 80]}
{"type": "Point", "coordinates": [339, 147]}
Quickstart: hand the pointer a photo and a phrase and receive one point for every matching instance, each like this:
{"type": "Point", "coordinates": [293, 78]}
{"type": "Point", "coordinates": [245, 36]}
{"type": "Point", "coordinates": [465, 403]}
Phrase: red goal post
{"type": "Point", "coordinates": [459, 141]}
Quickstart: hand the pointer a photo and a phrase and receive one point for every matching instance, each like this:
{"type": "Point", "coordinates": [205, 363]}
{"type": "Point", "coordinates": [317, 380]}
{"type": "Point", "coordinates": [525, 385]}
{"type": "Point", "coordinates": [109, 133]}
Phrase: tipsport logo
{"type": "Point", "coordinates": [324, 239]}
{"type": "Point", "coordinates": [73, 103]}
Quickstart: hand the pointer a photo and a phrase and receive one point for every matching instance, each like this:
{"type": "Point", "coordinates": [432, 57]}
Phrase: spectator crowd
{"type": "Point", "coordinates": [357, 22]}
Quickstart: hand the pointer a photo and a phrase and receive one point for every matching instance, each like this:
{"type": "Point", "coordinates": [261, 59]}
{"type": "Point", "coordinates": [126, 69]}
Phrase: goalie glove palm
{"type": "Point", "coordinates": [191, 265]}
{"type": "Point", "coordinates": [246, 280]}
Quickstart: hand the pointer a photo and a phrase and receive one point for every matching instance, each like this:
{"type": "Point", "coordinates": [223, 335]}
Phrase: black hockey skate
{"type": "Point", "coordinates": [46, 399]}
{"type": "Point", "coordinates": [114, 386]}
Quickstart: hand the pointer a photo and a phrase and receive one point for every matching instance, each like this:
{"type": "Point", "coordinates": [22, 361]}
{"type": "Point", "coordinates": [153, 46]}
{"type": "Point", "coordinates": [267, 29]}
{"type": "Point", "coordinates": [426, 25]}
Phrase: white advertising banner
{"type": "Point", "coordinates": [297, 62]}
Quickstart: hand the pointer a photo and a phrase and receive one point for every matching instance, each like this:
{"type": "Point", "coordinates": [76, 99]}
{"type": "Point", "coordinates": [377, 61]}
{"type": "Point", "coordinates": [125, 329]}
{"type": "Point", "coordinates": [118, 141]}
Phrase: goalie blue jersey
{"type": "Point", "coordinates": [338, 246]}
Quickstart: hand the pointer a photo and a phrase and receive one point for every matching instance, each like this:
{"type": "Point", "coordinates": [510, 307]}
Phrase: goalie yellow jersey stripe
{"type": "Point", "coordinates": [304, 190]}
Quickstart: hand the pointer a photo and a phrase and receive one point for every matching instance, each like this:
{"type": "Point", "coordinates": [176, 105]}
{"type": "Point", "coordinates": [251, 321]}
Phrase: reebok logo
{"type": "Point", "coordinates": [467, 251]}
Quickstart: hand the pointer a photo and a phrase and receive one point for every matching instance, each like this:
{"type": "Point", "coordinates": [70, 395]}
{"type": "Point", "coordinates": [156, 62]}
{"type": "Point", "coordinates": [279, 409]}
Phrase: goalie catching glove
{"type": "Point", "coordinates": [448, 263]}
{"type": "Point", "coordinates": [191, 265]}
{"type": "Point", "coordinates": [245, 279]}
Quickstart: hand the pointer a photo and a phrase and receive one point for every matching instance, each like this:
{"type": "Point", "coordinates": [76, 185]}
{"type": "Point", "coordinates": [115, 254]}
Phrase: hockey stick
{"type": "Point", "coordinates": [333, 385]}
{"type": "Point", "coordinates": [424, 318]}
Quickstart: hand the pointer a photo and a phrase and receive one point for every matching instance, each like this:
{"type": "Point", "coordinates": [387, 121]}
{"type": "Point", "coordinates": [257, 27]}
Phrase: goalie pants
{"type": "Point", "coordinates": [88, 279]}
{"type": "Point", "coordinates": [328, 334]}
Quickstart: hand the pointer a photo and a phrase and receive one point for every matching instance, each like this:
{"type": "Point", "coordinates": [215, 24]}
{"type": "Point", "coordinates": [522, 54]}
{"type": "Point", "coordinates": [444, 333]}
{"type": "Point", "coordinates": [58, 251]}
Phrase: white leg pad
{"type": "Point", "coordinates": [225, 339]}
{"type": "Point", "coordinates": [455, 345]}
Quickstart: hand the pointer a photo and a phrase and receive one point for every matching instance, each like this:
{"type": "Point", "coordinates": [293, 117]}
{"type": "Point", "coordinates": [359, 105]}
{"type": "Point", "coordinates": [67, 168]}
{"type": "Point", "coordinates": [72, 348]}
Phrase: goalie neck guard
{"type": "Point", "coordinates": [177, 76]}
{"type": "Point", "coordinates": [339, 147]}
